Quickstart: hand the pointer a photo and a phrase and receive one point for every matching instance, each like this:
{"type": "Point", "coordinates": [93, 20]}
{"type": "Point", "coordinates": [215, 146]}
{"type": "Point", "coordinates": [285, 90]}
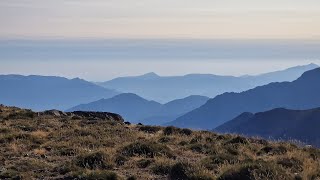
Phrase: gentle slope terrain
{"type": "Point", "coordinates": [91, 146]}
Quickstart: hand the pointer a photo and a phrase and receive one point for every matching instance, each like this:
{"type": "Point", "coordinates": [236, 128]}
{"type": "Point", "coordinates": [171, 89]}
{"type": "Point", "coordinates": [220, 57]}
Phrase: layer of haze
{"type": "Point", "coordinates": [160, 19]}
{"type": "Point", "coordinates": [105, 59]}
{"type": "Point", "coordinates": [102, 39]}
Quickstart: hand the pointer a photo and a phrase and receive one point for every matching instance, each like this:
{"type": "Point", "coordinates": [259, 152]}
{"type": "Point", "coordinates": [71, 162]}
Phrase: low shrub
{"type": "Point", "coordinates": [132, 178]}
{"type": "Point", "coordinates": [196, 139]}
{"type": "Point", "coordinates": [185, 131]}
{"type": "Point", "coordinates": [66, 151]}
{"type": "Point", "coordinates": [170, 130]}
{"type": "Point", "coordinates": [95, 160]}
{"type": "Point", "coordinates": [94, 175]}
{"type": "Point", "coordinates": [213, 162]}
{"type": "Point", "coordinates": [270, 150]}
{"type": "Point", "coordinates": [258, 170]}
{"type": "Point", "coordinates": [183, 143]}
{"type": "Point", "coordinates": [295, 165]}
{"type": "Point", "coordinates": [146, 149]}
{"type": "Point", "coordinates": [10, 174]}
{"type": "Point", "coordinates": [186, 171]}
{"type": "Point", "coordinates": [144, 163]}
{"type": "Point", "coordinates": [199, 148]}
{"type": "Point", "coordinates": [149, 129]}
{"type": "Point", "coordinates": [120, 160]}
{"type": "Point", "coordinates": [164, 139]}
{"type": "Point", "coordinates": [162, 168]}
{"type": "Point", "coordinates": [238, 140]}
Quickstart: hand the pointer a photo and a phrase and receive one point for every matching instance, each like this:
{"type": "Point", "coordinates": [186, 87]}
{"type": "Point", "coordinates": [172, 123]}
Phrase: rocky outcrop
{"type": "Point", "coordinates": [98, 115]}
{"type": "Point", "coordinates": [84, 115]}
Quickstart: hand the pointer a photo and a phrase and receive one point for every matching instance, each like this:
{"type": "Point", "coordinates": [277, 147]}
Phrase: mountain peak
{"type": "Point", "coordinates": [130, 95]}
{"type": "Point", "coordinates": [150, 75]}
{"type": "Point", "coordinates": [313, 65]}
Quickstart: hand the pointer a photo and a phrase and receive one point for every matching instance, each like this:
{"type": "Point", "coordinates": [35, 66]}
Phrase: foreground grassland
{"type": "Point", "coordinates": [55, 146]}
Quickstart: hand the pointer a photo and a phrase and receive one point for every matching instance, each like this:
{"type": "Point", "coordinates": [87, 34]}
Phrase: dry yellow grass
{"type": "Point", "coordinates": [50, 147]}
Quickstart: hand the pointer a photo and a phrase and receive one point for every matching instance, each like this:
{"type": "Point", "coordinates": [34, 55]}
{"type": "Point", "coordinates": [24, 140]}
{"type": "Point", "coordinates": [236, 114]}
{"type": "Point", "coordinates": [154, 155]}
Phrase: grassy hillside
{"type": "Point", "coordinates": [56, 145]}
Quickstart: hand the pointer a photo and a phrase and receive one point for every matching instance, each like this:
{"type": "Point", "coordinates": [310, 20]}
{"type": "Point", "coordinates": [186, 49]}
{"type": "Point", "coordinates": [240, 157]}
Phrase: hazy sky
{"type": "Point", "coordinates": [160, 19]}
{"type": "Point", "coordinates": [103, 39]}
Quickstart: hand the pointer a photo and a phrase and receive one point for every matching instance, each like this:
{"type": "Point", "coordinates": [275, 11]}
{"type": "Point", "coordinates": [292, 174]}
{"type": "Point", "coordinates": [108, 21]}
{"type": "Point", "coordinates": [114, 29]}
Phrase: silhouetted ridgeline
{"type": "Point", "coordinates": [167, 88]}
{"type": "Point", "coordinates": [136, 109]}
{"type": "Point", "coordinates": [284, 124]}
{"type": "Point", "coordinates": [48, 92]}
{"type": "Point", "coordinates": [302, 93]}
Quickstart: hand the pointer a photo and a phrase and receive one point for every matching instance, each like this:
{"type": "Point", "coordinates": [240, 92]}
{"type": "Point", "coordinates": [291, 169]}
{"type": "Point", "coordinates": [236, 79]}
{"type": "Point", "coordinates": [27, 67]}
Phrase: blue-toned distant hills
{"type": "Point", "coordinates": [136, 109]}
{"type": "Point", "coordinates": [48, 92]}
{"type": "Point", "coordinates": [167, 88]}
{"type": "Point", "coordinates": [279, 124]}
{"type": "Point", "coordinates": [300, 94]}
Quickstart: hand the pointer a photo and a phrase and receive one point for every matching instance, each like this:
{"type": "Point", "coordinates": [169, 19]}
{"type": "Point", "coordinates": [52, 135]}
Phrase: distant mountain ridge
{"type": "Point", "coordinates": [136, 109]}
{"type": "Point", "coordinates": [302, 93]}
{"type": "Point", "coordinates": [166, 88]}
{"type": "Point", "coordinates": [280, 123]}
{"type": "Point", "coordinates": [49, 92]}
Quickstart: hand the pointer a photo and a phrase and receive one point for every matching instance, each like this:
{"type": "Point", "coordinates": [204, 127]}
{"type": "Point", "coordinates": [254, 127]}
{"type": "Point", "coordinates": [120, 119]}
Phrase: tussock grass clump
{"type": "Point", "coordinates": [271, 150]}
{"type": "Point", "coordinates": [215, 161]}
{"type": "Point", "coordinates": [120, 160]}
{"type": "Point", "coordinates": [149, 129]}
{"type": "Point", "coordinates": [258, 170]}
{"type": "Point", "coordinates": [188, 171]}
{"type": "Point", "coordinates": [162, 168]}
{"type": "Point", "coordinates": [185, 131]}
{"type": "Point", "coordinates": [164, 139]}
{"type": "Point", "coordinates": [170, 130]}
{"type": "Point", "coordinates": [238, 140]}
{"type": "Point", "coordinates": [94, 175]}
{"type": "Point", "coordinates": [295, 165]}
{"type": "Point", "coordinates": [144, 163]}
{"type": "Point", "coordinates": [147, 149]}
{"type": "Point", "coordinates": [10, 174]}
{"type": "Point", "coordinates": [95, 160]}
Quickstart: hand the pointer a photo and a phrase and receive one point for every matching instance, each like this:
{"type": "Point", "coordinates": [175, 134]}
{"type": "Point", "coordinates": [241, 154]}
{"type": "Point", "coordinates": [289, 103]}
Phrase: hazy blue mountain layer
{"type": "Point", "coordinates": [166, 88]}
{"type": "Point", "coordinates": [136, 109]}
{"type": "Point", "coordinates": [48, 92]}
{"type": "Point", "coordinates": [302, 93]}
{"type": "Point", "coordinates": [302, 125]}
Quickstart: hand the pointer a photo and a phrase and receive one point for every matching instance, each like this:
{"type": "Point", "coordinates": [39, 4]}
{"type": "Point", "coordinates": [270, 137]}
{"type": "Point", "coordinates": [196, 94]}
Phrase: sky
{"type": "Point", "coordinates": [160, 19]}
{"type": "Point", "coordinates": [102, 39]}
